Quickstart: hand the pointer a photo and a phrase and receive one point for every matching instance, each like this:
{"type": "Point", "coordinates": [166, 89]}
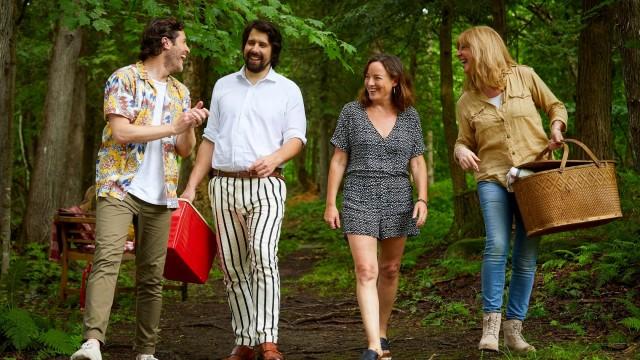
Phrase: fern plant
{"type": "Point", "coordinates": [22, 330]}
{"type": "Point", "coordinates": [18, 328]}
{"type": "Point", "coordinates": [632, 322]}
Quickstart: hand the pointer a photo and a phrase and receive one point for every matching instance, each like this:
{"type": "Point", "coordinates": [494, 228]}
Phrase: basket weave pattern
{"type": "Point", "coordinates": [568, 198]}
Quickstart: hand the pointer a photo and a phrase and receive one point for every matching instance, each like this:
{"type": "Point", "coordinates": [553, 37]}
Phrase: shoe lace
{"type": "Point", "coordinates": [517, 332]}
{"type": "Point", "coordinates": [492, 325]}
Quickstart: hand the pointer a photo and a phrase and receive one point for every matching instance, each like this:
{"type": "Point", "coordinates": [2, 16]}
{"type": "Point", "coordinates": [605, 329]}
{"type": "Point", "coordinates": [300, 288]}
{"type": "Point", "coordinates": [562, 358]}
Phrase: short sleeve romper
{"type": "Point", "coordinates": [377, 193]}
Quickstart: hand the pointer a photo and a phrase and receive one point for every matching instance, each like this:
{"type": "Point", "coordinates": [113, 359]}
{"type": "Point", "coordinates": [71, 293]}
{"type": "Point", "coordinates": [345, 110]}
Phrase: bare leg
{"type": "Point", "coordinates": [390, 257]}
{"type": "Point", "coordinates": [364, 252]}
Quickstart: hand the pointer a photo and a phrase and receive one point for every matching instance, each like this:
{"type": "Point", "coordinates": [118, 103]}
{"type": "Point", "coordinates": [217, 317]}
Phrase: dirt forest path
{"type": "Point", "coordinates": [311, 327]}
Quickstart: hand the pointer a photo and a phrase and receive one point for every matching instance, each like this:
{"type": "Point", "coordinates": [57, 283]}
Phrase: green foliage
{"type": "Point", "coordinates": [22, 330]}
{"type": "Point", "coordinates": [55, 342]}
{"type": "Point", "coordinates": [570, 351]}
{"type": "Point", "coordinates": [453, 312]}
{"type": "Point", "coordinates": [18, 328]}
{"type": "Point", "coordinates": [632, 322]}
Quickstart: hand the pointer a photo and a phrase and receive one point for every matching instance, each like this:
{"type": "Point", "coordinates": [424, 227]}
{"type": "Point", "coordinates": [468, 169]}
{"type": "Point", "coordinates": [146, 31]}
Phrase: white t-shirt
{"type": "Point", "coordinates": [148, 184]}
{"type": "Point", "coordinates": [496, 101]}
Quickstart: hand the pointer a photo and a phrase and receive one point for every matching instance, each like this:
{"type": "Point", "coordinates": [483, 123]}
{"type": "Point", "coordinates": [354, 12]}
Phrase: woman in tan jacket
{"type": "Point", "coordinates": [500, 128]}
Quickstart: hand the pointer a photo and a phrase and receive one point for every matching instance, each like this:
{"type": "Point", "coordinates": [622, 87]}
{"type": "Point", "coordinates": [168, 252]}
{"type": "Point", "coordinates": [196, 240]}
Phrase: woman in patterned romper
{"type": "Point", "coordinates": [378, 140]}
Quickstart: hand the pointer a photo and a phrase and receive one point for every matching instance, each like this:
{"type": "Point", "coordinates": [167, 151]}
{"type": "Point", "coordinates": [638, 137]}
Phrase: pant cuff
{"type": "Point", "coordinates": [94, 334]}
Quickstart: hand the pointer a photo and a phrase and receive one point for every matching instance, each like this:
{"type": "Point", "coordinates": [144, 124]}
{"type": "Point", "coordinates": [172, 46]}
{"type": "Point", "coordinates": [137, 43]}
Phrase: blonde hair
{"type": "Point", "coordinates": [490, 58]}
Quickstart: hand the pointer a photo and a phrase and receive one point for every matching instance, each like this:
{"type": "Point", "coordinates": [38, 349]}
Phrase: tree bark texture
{"type": "Point", "coordinates": [461, 217]}
{"type": "Point", "coordinates": [7, 87]}
{"type": "Point", "coordinates": [194, 76]}
{"type": "Point", "coordinates": [73, 192]}
{"type": "Point", "coordinates": [51, 165]}
{"type": "Point", "coordinates": [499, 15]}
{"type": "Point", "coordinates": [594, 88]}
{"type": "Point", "coordinates": [326, 120]}
{"type": "Point", "coordinates": [629, 29]}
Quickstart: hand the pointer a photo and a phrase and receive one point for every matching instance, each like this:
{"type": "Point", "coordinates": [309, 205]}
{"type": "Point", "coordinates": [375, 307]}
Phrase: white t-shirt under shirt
{"type": "Point", "coordinates": [496, 101]}
{"type": "Point", "coordinates": [148, 184]}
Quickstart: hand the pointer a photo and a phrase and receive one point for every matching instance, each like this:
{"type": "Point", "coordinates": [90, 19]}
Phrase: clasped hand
{"type": "Point", "coordinates": [192, 118]}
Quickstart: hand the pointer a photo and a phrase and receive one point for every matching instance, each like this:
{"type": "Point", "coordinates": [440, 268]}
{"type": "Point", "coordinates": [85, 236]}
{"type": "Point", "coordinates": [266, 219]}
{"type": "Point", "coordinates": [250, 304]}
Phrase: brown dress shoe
{"type": "Point", "coordinates": [268, 351]}
{"type": "Point", "coordinates": [242, 352]}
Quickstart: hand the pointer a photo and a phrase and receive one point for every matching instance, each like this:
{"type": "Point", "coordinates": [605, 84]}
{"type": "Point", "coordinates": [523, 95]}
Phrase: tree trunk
{"type": "Point", "coordinates": [73, 192]}
{"type": "Point", "coordinates": [594, 88]}
{"type": "Point", "coordinates": [7, 84]}
{"type": "Point", "coordinates": [194, 74]}
{"type": "Point", "coordinates": [499, 15]}
{"type": "Point", "coordinates": [430, 168]}
{"type": "Point", "coordinates": [50, 169]}
{"type": "Point", "coordinates": [629, 28]}
{"type": "Point", "coordinates": [323, 137]}
{"type": "Point", "coordinates": [462, 220]}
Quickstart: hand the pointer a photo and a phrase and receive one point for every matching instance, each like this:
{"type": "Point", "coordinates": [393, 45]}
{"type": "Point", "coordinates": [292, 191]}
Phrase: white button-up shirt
{"type": "Point", "coordinates": [247, 121]}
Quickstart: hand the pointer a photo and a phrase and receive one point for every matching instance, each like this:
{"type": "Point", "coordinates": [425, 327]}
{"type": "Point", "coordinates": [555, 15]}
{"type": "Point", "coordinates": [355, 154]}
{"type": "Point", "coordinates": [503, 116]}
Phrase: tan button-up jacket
{"type": "Point", "coordinates": [512, 135]}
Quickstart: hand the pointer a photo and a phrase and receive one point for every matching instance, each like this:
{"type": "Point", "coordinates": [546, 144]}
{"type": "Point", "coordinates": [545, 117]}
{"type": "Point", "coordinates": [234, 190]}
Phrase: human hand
{"type": "Point", "coordinates": [189, 194]}
{"type": "Point", "coordinates": [556, 137]}
{"type": "Point", "coordinates": [420, 212]}
{"type": "Point", "coordinates": [192, 118]}
{"type": "Point", "coordinates": [332, 216]}
{"type": "Point", "coordinates": [467, 159]}
{"type": "Point", "coordinates": [265, 165]}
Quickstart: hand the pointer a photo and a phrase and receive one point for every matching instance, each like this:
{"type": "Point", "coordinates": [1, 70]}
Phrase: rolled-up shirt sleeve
{"type": "Point", "coordinates": [466, 136]}
{"type": "Point", "coordinates": [545, 99]}
{"type": "Point", "coordinates": [295, 118]}
{"type": "Point", "coordinates": [211, 131]}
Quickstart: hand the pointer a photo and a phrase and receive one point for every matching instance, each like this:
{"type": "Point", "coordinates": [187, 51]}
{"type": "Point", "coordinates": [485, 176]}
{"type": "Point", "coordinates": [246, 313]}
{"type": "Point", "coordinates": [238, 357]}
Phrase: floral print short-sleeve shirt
{"type": "Point", "coordinates": [129, 92]}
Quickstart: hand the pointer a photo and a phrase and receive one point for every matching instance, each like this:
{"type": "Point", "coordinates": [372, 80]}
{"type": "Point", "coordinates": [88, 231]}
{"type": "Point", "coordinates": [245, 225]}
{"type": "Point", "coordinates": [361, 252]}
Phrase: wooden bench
{"type": "Point", "coordinates": [76, 234]}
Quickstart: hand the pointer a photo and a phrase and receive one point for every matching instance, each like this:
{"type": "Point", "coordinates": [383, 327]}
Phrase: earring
{"type": "Point", "coordinates": [393, 90]}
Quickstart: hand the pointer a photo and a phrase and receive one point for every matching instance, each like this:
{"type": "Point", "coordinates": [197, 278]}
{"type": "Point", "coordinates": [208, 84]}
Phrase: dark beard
{"type": "Point", "coordinates": [255, 68]}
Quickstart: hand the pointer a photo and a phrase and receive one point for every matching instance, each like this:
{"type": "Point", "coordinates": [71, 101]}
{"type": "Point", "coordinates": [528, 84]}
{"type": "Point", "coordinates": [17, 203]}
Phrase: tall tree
{"type": "Point", "coordinates": [50, 169]}
{"type": "Point", "coordinates": [499, 16]}
{"type": "Point", "coordinates": [595, 86]}
{"type": "Point", "coordinates": [467, 221]}
{"type": "Point", "coordinates": [628, 16]}
{"type": "Point", "coordinates": [7, 82]}
{"type": "Point", "coordinates": [73, 191]}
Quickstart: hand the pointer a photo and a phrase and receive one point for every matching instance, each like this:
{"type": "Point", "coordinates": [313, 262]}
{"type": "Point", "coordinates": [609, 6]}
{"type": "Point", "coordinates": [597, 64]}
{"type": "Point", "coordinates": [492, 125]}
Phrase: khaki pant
{"type": "Point", "coordinates": [113, 218]}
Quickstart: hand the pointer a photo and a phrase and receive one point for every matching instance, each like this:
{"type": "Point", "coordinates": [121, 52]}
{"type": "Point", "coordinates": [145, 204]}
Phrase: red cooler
{"type": "Point", "coordinates": [191, 247]}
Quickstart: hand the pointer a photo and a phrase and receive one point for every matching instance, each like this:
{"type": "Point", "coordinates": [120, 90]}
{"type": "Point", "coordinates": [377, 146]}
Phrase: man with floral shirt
{"type": "Point", "coordinates": [149, 123]}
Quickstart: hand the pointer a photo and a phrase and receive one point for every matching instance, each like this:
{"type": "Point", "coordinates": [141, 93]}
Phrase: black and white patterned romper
{"type": "Point", "coordinates": [377, 193]}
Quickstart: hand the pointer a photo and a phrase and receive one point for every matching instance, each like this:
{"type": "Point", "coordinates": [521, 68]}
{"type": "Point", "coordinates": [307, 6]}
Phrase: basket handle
{"type": "Point", "coordinates": [565, 152]}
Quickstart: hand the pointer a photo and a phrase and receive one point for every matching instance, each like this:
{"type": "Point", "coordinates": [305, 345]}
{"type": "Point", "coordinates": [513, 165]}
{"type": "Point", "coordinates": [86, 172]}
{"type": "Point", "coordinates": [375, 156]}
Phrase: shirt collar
{"type": "Point", "coordinates": [145, 76]}
{"type": "Point", "coordinates": [271, 75]}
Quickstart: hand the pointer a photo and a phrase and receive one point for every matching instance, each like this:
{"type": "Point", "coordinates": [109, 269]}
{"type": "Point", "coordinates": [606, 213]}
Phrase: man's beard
{"type": "Point", "coordinates": [255, 67]}
{"type": "Point", "coordinates": [173, 63]}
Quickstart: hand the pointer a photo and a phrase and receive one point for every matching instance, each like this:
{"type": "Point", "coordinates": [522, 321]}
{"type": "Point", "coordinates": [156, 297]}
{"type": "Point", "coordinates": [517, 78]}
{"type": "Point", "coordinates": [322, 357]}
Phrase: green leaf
{"type": "Point", "coordinates": [103, 25]}
{"type": "Point", "coordinates": [19, 328]}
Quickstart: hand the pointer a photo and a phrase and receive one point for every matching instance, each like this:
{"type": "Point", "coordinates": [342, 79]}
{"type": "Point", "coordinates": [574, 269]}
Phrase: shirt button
{"type": "Point", "coordinates": [513, 153]}
{"type": "Point", "coordinates": [508, 136]}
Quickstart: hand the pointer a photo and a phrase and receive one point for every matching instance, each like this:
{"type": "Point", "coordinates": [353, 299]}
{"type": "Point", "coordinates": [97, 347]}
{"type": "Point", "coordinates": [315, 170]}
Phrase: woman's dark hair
{"type": "Point", "coordinates": [402, 93]}
{"type": "Point", "coordinates": [275, 39]}
{"type": "Point", "coordinates": [151, 43]}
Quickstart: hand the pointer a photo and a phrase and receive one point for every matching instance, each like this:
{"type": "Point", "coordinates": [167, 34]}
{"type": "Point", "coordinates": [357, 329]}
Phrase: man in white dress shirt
{"type": "Point", "coordinates": [256, 124]}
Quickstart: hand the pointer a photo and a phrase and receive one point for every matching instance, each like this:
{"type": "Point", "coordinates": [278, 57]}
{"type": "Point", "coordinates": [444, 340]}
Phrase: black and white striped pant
{"type": "Point", "coordinates": [248, 214]}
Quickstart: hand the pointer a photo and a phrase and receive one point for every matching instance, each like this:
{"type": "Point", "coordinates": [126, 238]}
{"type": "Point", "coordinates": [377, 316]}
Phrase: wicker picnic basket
{"type": "Point", "coordinates": [567, 194]}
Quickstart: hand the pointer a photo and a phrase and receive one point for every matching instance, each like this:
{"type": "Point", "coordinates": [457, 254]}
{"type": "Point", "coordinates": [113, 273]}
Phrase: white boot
{"type": "Point", "coordinates": [513, 339]}
{"type": "Point", "coordinates": [490, 331]}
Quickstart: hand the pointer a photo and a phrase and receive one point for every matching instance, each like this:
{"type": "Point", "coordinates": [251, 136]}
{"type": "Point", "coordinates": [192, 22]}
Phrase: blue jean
{"type": "Point", "coordinates": [499, 210]}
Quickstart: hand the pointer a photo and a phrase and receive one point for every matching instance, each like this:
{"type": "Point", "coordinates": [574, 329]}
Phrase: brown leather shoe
{"type": "Point", "coordinates": [268, 351]}
{"type": "Point", "coordinates": [242, 352]}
